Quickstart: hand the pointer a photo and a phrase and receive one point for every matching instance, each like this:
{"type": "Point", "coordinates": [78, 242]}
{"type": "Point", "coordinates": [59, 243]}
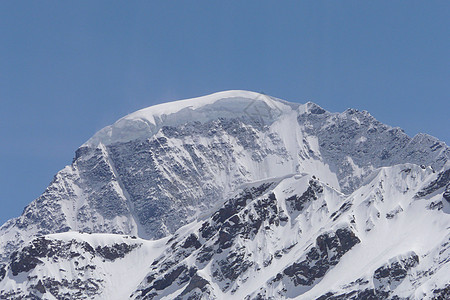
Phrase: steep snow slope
{"type": "Point", "coordinates": [301, 238]}
{"type": "Point", "coordinates": [400, 234]}
{"type": "Point", "coordinates": [289, 237]}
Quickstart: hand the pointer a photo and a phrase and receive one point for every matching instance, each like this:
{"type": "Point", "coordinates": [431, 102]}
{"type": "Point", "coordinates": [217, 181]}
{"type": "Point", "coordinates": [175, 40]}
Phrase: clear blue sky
{"type": "Point", "coordinates": [69, 68]}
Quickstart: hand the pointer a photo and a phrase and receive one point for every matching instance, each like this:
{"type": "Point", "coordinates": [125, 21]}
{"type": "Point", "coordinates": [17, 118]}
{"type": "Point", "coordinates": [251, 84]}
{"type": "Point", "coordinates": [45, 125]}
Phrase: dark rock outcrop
{"type": "Point", "coordinates": [318, 260]}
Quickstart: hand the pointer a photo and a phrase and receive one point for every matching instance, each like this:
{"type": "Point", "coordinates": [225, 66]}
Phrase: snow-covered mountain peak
{"type": "Point", "coordinates": [245, 196]}
{"type": "Point", "coordinates": [146, 122]}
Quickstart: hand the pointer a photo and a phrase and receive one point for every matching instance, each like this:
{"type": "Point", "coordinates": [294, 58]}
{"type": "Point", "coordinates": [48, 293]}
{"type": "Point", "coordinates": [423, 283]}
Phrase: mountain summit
{"type": "Point", "coordinates": [238, 194]}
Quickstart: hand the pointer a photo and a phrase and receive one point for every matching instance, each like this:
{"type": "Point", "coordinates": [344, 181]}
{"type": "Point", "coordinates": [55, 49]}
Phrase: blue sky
{"type": "Point", "coordinates": [69, 68]}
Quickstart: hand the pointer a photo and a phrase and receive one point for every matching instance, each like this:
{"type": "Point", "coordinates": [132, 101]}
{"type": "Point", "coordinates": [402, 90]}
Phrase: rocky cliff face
{"type": "Point", "coordinates": [246, 196]}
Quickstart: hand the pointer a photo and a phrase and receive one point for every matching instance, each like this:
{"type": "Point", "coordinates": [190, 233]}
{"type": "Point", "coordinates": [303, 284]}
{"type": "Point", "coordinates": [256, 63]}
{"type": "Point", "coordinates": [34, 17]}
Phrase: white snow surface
{"type": "Point", "coordinates": [146, 122]}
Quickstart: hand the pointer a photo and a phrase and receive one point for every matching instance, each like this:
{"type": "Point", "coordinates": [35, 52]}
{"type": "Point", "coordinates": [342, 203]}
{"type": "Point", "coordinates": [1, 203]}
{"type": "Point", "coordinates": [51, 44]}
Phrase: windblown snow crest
{"type": "Point", "coordinates": [238, 195]}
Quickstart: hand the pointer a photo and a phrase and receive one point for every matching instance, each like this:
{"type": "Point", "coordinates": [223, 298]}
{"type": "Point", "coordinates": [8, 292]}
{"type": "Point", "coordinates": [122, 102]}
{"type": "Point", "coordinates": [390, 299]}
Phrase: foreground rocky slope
{"type": "Point", "coordinates": [253, 197]}
{"type": "Point", "coordinates": [291, 237]}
